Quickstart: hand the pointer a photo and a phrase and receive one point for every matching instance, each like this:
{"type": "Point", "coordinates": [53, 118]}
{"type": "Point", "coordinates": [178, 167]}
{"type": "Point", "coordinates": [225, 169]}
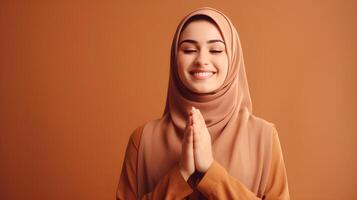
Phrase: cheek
{"type": "Point", "coordinates": [181, 67]}
{"type": "Point", "coordinates": [223, 66]}
{"type": "Point", "coordinates": [183, 63]}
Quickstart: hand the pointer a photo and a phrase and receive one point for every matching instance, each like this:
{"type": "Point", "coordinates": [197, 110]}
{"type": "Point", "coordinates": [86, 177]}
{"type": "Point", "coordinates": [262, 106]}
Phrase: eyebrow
{"type": "Point", "coordinates": [195, 42]}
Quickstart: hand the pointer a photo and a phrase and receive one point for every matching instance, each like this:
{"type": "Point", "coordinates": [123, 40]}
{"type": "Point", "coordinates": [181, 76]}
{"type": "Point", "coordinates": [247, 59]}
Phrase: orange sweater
{"type": "Point", "coordinates": [216, 183]}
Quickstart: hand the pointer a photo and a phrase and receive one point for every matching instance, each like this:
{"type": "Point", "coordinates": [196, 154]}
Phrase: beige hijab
{"type": "Point", "coordinates": [241, 141]}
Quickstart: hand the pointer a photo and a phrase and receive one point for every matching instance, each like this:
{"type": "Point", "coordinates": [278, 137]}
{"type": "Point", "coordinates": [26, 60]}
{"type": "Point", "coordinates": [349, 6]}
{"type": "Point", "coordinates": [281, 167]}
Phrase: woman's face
{"type": "Point", "coordinates": [201, 57]}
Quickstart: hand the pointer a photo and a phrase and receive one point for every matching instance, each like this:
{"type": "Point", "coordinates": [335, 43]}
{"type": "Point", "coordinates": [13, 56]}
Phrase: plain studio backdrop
{"type": "Point", "coordinates": [76, 78]}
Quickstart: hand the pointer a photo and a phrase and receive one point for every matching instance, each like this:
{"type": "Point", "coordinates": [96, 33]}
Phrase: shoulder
{"type": "Point", "coordinates": [266, 129]}
{"type": "Point", "coordinates": [264, 126]}
{"type": "Point", "coordinates": [136, 135]}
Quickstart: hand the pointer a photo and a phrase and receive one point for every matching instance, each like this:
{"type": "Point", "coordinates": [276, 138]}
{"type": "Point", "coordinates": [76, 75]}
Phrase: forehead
{"type": "Point", "coordinates": [200, 30]}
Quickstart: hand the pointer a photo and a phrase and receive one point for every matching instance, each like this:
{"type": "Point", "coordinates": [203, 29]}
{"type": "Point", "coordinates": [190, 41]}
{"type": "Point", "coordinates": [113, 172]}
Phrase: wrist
{"type": "Point", "coordinates": [185, 175]}
{"type": "Point", "coordinates": [205, 169]}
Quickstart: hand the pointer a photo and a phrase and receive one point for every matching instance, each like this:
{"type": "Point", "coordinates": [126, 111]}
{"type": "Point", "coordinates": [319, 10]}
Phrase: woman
{"type": "Point", "coordinates": [208, 144]}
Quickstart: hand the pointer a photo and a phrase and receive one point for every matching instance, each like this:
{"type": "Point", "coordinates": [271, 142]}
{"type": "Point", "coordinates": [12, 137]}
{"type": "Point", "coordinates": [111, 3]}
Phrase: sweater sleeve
{"type": "Point", "coordinates": [171, 186]}
{"type": "Point", "coordinates": [277, 186]}
{"type": "Point", "coordinates": [218, 184]}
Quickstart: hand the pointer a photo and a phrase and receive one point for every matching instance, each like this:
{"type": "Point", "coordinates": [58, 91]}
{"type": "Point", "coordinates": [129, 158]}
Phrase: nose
{"type": "Point", "coordinates": [201, 58]}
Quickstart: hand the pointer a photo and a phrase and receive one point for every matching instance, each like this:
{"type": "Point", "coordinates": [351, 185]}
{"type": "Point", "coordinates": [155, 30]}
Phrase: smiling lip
{"type": "Point", "coordinates": [201, 74]}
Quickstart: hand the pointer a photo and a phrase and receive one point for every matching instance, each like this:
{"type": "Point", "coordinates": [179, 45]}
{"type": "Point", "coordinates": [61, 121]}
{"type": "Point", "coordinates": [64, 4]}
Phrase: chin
{"type": "Point", "coordinates": [203, 90]}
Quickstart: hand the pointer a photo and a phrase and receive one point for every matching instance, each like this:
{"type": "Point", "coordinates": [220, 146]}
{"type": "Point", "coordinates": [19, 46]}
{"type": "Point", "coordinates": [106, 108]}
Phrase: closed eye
{"type": "Point", "coordinates": [216, 51]}
{"type": "Point", "coordinates": [189, 51]}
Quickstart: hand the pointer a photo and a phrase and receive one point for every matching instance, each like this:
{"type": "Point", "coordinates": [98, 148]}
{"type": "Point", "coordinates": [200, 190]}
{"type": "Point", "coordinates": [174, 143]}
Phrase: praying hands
{"type": "Point", "coordinates": [196, 146]}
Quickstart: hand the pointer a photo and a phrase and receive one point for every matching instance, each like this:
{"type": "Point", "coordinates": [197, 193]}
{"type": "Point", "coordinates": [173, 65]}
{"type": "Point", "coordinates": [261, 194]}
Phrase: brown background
{"type": "Point", "coordinates": [77, 78]}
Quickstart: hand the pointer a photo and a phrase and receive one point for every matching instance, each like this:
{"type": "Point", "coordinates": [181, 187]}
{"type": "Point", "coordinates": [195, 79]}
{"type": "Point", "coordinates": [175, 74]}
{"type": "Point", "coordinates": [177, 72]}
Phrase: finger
{"type": "Point", "coordinates": [198, 124]}
{"type": "Point", "coordinates": [184, 138]}
{"type": "Point", "coordinates": [185, 133]}
{"type": "Point", "coordinates": [200, 116]}
{"type": "Point", "coordinates": [189, 126]}
{"type": "Point", "coordinates": [196, 133]}
{"type": "Point", "coordinates": [198, 121]}
{"type": "Point", "coordinates": [190, 141]}
{"type": "Point", "coordinates": [192, 109]}
{"type": "Point", "coordinates": [187, 123]}
{"type": "Point", "coordinates": [195, 118]}
{"type": "Point", "coordinates": [190, 136]}
{"type": "Point", "coordinates": [186, 130]}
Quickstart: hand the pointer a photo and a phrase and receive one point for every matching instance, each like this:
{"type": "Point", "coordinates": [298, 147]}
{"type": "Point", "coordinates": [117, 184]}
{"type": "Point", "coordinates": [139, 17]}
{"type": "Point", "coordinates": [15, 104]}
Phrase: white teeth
{"type": "Point", "coordinates": [204, 74]}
